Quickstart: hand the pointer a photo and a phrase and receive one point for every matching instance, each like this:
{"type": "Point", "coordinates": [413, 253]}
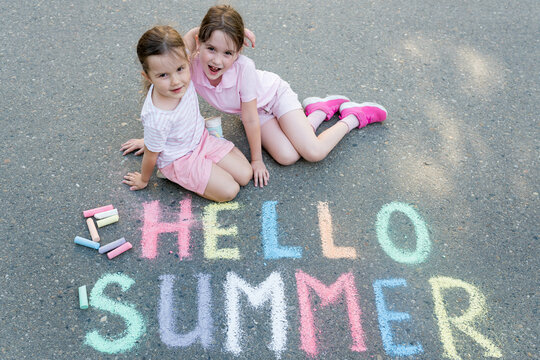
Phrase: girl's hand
{"type": "Point", "coordinates": [260, 174]}
{"type": "Point", "coordinates": [249, 35]}
{"type": "Point", "coordinates": [134, 180]}
{"type": "Point", "coordinates": [132, 145]}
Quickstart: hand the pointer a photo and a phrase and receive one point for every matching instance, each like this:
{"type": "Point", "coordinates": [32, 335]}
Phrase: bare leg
{"type": "Point", "coordinates": [278, 144]}
{"type": "Point", "coordinates": [221, 186]}
{"type": "Point", "coordinates": [236, 164]}
{"type": "Point", "coordinates": [298, 130]}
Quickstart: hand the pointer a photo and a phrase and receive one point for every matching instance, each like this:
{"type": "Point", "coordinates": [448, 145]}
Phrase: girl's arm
{"type": "Point", "coordinates": [190, 39]}
{"type": "Point", "coordinates": [252, 125]}
{"type": "Point", "coordinates": [138, 181]}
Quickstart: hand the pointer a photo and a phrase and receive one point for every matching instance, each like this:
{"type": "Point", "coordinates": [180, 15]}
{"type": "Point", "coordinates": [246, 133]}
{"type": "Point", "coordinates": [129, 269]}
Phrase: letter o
{"type": "Point", "coordinates": [423, 244]}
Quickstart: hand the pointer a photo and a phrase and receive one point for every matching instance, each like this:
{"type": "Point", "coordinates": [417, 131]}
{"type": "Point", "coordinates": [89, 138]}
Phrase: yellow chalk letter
{"type": "Point", "coordinates": [465, 322]}
{"type": "Point", "coordinates": [212, 231]}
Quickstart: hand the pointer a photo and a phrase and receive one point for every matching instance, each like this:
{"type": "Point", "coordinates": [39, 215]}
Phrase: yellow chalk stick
{"type": "Point", "coordinates": [107, 221]}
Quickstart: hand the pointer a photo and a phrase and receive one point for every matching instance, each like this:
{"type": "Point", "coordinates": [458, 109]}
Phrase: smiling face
{"type": "Point", "coordinates": [217, 55]}
{"type": "Point", "coordinates": [169, 73]}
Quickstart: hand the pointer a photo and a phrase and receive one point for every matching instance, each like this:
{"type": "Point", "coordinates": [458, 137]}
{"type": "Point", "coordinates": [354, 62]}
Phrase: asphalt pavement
{"type": "Point", "coordinates": [416, 238]}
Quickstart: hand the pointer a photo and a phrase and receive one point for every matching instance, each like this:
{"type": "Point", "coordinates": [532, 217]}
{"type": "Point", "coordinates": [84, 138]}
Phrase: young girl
{"type": "Point", "coordinates": [174, 134]}
{"type": "Point", "coordinates": [271, 113]}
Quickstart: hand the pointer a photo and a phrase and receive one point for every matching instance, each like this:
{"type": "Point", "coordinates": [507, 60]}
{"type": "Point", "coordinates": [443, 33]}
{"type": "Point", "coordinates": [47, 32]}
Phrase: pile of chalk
{"type": "Point", "coordinates": [104, 215]}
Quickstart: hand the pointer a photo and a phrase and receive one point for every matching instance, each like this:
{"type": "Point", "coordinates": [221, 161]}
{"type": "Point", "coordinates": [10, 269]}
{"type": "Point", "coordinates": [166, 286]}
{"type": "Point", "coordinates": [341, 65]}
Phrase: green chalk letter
{"type": "Point", "coordinates": [423, 244]}
{"type": "Point", "coordinates": [135, 326]}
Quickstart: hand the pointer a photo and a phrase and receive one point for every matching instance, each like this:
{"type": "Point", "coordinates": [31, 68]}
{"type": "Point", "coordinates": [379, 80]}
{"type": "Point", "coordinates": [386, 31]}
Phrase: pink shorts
{"type": "Point", "coordinates": [286, 100]}
{"type": "Point", "coordinates": [192, 171]}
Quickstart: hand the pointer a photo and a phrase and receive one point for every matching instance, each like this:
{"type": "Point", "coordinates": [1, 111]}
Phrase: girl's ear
{"type": "Point", "coordinates": [197, 43]}
{"type": "Point", "coordinates": [145, 76]}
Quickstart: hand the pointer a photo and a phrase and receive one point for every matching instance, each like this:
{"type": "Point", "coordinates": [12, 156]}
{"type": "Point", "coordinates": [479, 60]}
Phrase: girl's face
{"type": "Point", "coordinates": [169, 73]}
{"type": "Point", "coordinates": [217, 55]}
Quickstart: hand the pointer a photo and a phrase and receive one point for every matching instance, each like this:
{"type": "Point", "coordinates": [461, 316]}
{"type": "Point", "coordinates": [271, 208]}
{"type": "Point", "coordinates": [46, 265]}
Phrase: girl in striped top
{"type": "Point", "coordinates": [175, 138]}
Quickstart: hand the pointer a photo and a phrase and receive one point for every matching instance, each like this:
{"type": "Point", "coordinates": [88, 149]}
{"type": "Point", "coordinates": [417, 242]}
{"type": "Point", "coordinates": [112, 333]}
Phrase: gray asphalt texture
{"type": "Point", "coordinates": [461, 84]}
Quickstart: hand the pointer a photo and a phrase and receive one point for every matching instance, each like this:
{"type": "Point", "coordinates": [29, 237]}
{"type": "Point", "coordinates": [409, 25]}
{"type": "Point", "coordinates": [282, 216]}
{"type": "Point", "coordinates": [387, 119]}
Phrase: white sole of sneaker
{"type": "Point", "coordinates": [352, 104]}
{"type": "Point", "coordinates": [314, 99]}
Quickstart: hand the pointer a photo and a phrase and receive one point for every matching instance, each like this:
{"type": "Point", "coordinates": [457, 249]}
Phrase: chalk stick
{"type": "Point", "coordinates": [92, 229]}
{"type": "Point", "coordinates": [111, 246]}
{"type": "Point", "coordinates": [83, 297]}
{"type": "Point", "coordinates": [106, 214]}
{"type": "Point", "coordinates": [119, 250]}
{"type": "Point", "coordinates": [91, 212]}
{"type": "Point", "coordinates": [85, 242]}
{"type": "Point", "coordinates": [107, 221]}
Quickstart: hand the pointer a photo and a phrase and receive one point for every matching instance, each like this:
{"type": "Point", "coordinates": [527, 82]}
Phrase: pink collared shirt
{"type": "Point", "coordinates": [241, 83]}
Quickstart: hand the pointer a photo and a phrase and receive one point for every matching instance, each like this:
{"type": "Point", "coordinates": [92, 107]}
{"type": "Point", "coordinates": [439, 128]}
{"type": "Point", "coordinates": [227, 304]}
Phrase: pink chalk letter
{"type": "Point", "coordinates": [152, 228]}
{"type": "Point", "coordinates": [328, 295]}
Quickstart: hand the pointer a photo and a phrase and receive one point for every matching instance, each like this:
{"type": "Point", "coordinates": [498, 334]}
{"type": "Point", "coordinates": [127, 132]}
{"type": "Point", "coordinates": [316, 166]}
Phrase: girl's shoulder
{"type": "Point", "coordinates": [243, 64]}
{"type": "Point", "coordinates": [243, 60]}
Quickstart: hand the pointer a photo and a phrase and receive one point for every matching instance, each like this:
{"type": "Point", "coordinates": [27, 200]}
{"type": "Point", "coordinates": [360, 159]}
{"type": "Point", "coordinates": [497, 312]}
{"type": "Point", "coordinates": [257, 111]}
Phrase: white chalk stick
{"type": "Point", "coordinates": [106, 214]}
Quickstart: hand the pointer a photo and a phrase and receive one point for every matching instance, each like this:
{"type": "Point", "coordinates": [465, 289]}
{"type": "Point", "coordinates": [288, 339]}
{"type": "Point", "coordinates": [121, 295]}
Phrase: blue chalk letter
{"type": "Point", "coordinates": [385, 316]}
{"type": "Point", "coordinates": [272, 248]}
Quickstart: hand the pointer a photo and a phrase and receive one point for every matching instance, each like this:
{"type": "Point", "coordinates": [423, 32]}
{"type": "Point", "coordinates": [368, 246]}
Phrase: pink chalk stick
{"type": "Point", "coordinates": [114, 253]}
{"type": "Point", "coordinates": [91, 212]}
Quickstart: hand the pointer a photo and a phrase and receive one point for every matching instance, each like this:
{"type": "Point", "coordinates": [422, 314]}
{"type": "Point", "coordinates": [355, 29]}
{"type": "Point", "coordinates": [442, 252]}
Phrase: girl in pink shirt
{"type": "Point", "coordinates": [272, 116]}
{"type": "Point", "coordinates": [175, 137]}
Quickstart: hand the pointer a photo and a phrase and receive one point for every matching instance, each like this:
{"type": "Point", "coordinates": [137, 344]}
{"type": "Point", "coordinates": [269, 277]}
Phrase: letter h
{"type": "Point", "coordinates": [152, 228]}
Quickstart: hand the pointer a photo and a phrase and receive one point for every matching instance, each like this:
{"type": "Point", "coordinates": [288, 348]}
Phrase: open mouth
{"type": "Point", "coordinates": [213, 70]}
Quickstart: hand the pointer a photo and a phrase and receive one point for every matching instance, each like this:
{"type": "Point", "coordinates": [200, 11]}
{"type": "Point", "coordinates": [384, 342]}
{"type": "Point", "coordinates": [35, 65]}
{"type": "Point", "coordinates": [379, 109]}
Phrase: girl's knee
{"type": "Point", "coordinates": [286, 159]}
{"type": "Point", "coordinates": [228, 193]}
{"type": "Point", "coordinates": [313, 155]}
{"type": "Point", "coordinates": [245, 176]}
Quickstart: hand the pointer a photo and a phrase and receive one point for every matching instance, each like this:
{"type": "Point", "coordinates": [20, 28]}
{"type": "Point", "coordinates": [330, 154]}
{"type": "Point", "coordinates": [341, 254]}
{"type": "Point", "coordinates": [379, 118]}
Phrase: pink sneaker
{"type": "Point", "coordinates": [366, 113]}
{"type": "Point", "coordinates": [329, 104]}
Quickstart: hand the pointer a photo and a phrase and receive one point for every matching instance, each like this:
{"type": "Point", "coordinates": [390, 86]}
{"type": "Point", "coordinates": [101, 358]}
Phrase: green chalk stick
{"type": "Point", "coordinates": [83, 297]}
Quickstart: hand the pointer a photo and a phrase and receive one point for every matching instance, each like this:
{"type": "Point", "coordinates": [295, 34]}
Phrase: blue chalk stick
{"type": "Point", "coordinates": [85, 242]}
{"type": "Point", "coordinates": [111, 246]}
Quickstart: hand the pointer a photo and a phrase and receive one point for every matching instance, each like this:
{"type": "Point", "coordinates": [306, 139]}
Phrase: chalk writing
{"type": "Point", "coordinates": [386, 316]}
{"type": "Point", "coordinates": [133, 319]}
{"type": "Point", "coordinates": [167, 314]}
{"type": "Point", "coordinates": [212, 231]}
{"type": "Point", "coordinates": [465, 322]}
{"type": "Point", "coordinates": [152, 228]}
{"type": "Point", "coordinates": [271, 247]}
{"type": "Point", "coordinates": [271, 289]}
{"type": "Point", "coordinates": [423, 245]}
{"type": "Point", "coordinates": [330, 250]}
{"type": "Point", "coordinates": [329, 295]}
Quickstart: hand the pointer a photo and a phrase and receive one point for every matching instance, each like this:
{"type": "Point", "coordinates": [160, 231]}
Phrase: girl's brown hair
{"type": "Point", "coordinates": [159, 40]}
{"type": "Point", "coordinates": [226, 19]}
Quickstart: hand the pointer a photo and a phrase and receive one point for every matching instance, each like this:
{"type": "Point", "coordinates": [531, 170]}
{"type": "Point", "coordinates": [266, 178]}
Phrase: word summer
{"type": "Point", "coordinates": [268, 297]}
